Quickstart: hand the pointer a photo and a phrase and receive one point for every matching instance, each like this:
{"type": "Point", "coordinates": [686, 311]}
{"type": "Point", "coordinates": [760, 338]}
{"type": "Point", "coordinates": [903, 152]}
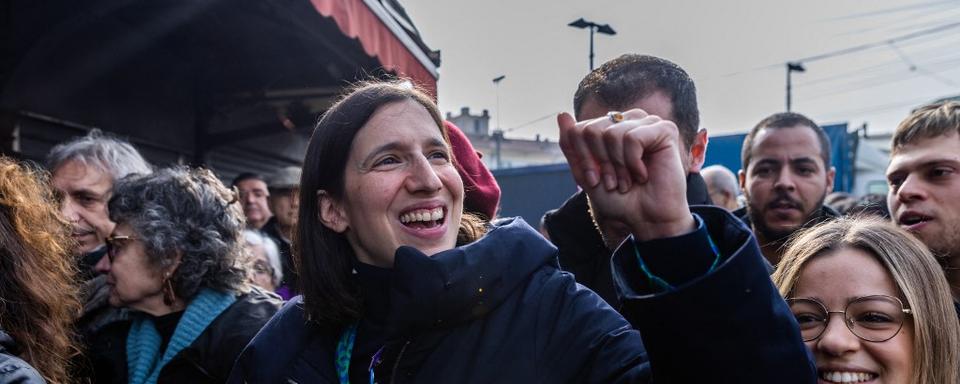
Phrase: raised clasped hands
{"type": "Point", "coordinates": [631, 171]}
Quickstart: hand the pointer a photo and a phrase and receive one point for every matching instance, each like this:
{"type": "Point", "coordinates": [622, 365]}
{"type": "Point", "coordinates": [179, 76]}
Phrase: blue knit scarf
{"type": "Point", "coordinates": [144, 361]}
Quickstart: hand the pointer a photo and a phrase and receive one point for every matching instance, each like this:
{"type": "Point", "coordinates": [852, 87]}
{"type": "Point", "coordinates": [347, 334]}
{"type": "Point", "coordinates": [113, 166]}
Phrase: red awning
{"type": "Point", "coordinates": [381, 37]}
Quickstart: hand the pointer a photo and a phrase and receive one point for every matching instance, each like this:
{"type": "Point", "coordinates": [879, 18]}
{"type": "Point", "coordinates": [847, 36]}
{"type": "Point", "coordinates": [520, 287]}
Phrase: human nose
{"type": "Point", "coordinates": [837, 339]}
{"type": "Point", "coordinates": [423, 177]}
{"type": "Point", "coordinates": [69, 210]}
{"type": "Point", "coordinates": [910, 189]}
{"type": "Point", "coordinates": [785, 180]}
{"type": "Point", "coordinates": [103, 265]}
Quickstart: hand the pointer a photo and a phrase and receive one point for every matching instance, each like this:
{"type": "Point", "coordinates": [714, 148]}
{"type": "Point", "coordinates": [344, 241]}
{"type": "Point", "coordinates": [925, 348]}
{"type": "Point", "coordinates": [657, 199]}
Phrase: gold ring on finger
{"type": "Point", "coordinates": [615, 116]}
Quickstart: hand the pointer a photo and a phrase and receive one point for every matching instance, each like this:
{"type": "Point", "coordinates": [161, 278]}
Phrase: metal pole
{"type": "Point", "coordinates": [789, 70]}
{"type": "Point", "coordinates": [591, 47]}
{"type": "Point", "coordinates": [498, 105]}
{"type": "Point", "coordinates": [498, 137]}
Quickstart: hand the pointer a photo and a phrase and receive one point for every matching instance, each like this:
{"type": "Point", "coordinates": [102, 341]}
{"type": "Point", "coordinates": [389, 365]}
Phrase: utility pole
{"type": "Point", "coordinates": [498, 133]}
{"type": "Point", "coordinates": [792, 67]}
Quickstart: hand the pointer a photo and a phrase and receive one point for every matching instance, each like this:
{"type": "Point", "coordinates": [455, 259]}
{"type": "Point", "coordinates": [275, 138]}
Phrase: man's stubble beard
{"type": "Point", "coordinates": [774, 236]}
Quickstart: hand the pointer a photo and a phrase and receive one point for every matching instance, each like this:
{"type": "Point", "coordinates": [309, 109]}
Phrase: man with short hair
{"type": "Point", "coordinates": [723, 186]}
{"type": "Point", "coordinates": [924, 180]}
{"type": "Point", "coordinates": [83, 172]}
{"type": "Point", "coordinates": [253, 198]}
{"type": "Point", "coordinates": [284, 202]}
{"type": "Point", "coordinates": [660, 88]}
{"type": "Point", "coordinates": [785, 176]}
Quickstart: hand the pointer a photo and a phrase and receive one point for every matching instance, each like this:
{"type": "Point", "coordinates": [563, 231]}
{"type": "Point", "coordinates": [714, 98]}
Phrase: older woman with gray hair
{"type": "Point", "coordinates": [174, 259]}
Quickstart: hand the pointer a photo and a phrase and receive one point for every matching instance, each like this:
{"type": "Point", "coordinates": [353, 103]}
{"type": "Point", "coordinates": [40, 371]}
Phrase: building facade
{"type": "Point", "coordinates": [501, 152]}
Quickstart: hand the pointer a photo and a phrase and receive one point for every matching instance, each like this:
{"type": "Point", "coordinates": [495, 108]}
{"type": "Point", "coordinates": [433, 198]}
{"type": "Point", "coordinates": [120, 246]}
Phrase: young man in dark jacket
{"type": "Point", "coordinates": [785, 176]}
{"type": "Point", "coordinates": [660, 88]}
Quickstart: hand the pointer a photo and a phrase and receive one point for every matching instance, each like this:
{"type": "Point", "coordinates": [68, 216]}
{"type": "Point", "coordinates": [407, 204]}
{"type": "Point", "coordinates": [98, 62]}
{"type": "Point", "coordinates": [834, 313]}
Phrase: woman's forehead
{"type": "Point", "coordinates": [844, 274]}
{"type": "Point", "coordinates": [404, 121]}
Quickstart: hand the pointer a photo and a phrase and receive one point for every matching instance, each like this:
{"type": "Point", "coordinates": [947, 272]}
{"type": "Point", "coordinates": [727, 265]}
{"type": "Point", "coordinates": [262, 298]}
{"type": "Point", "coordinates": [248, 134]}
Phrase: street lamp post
{"type": "Point", "coordinates": [792, 67]}
{"type": "Point", "coordinates": [599, 28]}
{"type": "Point", "coordinates": [498, 133]}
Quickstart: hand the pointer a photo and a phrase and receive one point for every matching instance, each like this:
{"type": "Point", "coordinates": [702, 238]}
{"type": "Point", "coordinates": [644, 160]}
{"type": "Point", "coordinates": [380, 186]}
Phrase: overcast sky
{"type": "Point", "coordinates": [734, 50]}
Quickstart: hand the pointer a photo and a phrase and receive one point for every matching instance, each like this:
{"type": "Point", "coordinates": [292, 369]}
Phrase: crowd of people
{"type": "Point", "coordinates": [384, 259]}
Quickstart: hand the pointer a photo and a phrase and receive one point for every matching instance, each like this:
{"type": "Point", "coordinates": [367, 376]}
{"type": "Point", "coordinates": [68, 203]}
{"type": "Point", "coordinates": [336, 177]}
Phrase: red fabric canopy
{"type": "Point", "coordinates": [358, 21]}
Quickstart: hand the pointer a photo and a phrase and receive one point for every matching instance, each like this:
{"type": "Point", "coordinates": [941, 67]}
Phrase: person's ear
{"type": "Point", "coordinates": [331, 213]}
{"type": "Point", "coordinates": [698, 151]}
{"type": "Point", "coordinates": [742, 177]}
{"type": "Point", "coordinates": [831, 174]}
{"type": "Point", "coordinates": [171, 269]}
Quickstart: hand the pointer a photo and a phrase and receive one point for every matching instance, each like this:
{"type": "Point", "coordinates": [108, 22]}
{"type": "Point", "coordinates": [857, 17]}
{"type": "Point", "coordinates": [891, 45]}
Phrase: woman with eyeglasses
{"type": "Point", "coordinates": [263, 260]}
{"type": "Point", "coordinates": [174, 259]}
{"type": "Point", "coordinates": [872, 303]}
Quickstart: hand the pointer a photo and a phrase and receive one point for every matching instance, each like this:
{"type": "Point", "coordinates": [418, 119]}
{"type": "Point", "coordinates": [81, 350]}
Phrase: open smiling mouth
{"type": "Point", "coordinates": [423, 218]}
{"type": "Point", "coordinates": [846, 377]}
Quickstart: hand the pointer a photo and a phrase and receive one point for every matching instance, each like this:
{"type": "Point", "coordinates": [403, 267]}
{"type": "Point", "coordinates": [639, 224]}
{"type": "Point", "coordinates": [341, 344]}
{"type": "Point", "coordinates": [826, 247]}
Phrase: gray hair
{"type": "Point", "coordinates": [255, 237]}
{"type": "Point", "coordinates": [114, 156]}
{"type": "Point", "coordinates": [190, 213]}
{"type": "Point", "coordinates": [721, 178]}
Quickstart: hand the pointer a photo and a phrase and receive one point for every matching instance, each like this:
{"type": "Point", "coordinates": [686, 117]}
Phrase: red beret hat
{"type": "Point", "coordinates": [481, 192]}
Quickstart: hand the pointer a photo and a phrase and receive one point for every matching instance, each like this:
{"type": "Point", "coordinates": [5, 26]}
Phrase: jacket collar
{"type": "Point", "coordinates": [466, 282]}
{"type": "Point", "coordinates": [697, 193]}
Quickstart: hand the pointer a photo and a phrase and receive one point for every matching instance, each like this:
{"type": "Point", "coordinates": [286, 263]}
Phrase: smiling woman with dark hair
{"type": "Point", "coordinates": [174, 259]}
{"type": "Point", "coordinates": [402, 284]}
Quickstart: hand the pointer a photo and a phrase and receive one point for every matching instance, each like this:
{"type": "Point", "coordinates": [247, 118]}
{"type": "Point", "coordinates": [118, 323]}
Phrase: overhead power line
{"type": "Point", "coordinates": [531, 122]}
{"type": "Point", "coordinates": [863, 47]}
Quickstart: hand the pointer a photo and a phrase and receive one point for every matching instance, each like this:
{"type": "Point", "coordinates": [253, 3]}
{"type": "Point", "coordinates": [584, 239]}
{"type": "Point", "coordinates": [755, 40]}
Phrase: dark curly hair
{"type": "Point", "coordinates": [188, 212]}
{"type": "Point", "coordinates": [38, 287]}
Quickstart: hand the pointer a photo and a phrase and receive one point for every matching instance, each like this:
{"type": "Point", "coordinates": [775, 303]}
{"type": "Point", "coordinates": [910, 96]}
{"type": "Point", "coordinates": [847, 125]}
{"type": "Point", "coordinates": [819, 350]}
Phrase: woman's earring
{"type": "Point", "coordinates": [168, 294]}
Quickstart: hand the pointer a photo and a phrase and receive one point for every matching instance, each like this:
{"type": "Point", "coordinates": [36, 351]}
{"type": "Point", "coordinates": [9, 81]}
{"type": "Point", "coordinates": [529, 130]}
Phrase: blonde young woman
{"type": "Point", "coordinates": [872, 304]}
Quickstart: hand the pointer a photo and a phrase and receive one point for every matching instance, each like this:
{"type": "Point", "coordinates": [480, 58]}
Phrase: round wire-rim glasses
{"type": "Point", "coordinates": [874, 318]}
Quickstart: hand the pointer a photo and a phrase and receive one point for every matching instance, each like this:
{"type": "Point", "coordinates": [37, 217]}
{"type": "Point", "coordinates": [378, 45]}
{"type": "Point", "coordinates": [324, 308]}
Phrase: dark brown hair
{"type": "Point", "coordinates": [623, 81]}
{"type": "Point", "coordinates": [784, 120]}
{"type": "Point", "coordinates": [323, 257]}
{"type": "Point", "coordinates": [38, 287]}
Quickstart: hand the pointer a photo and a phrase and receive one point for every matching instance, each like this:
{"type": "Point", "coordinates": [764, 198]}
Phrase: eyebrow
{"type": "Point", "coordinates": [800, 160]}
{"type": "Point", "coordinates": [88, 193]}
{"type": "Point", "coordinates": [909, 166]}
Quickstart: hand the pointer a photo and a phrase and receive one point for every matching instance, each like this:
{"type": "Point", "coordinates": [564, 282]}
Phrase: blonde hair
{"type": "Point", "coordinates": [936, 344]}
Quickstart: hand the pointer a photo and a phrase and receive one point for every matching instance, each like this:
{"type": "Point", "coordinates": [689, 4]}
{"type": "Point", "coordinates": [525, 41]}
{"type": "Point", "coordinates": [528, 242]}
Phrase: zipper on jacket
{"type": "Point", "coordinates": [396, 364]}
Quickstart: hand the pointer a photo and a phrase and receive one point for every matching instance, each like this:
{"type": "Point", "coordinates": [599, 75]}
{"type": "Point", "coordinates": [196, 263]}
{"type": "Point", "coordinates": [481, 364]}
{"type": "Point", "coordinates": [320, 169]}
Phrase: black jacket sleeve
{"type": "Point", "coordinates": [726, 326]}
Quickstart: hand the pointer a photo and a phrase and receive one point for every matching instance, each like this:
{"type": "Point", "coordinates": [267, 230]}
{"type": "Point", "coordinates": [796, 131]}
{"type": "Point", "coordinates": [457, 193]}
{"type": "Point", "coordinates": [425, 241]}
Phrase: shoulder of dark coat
{"type": "Point", "coordinates": [12, 368]}
{"type": "Point", "coordinates": [262, 360]}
